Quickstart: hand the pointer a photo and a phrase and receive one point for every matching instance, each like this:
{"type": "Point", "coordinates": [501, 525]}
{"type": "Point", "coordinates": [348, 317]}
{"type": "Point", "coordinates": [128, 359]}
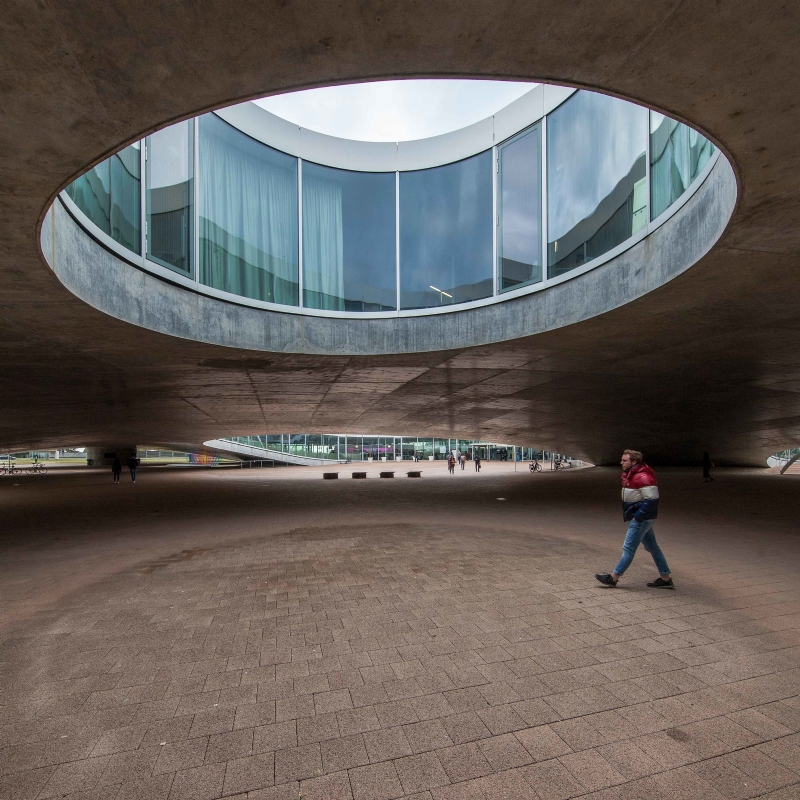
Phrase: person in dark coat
{"type": "Point", "coordinates": [116, 469]}
{"type": "Point", "coordinates": [707, 464]}
{"type": "Point", "coordinates": [477, 462]}
{"type": "Point", "coordinates": [133, 463]}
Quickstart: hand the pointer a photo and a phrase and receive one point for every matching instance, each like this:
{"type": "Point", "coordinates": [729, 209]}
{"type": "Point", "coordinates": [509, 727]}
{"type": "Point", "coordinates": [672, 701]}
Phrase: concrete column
{"type": "Point", "coordinates": [104, 456]}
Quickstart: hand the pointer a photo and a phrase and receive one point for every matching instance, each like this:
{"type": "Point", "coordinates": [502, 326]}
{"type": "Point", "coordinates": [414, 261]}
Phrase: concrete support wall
{"type": "Point", "coordinates": [104, 456]}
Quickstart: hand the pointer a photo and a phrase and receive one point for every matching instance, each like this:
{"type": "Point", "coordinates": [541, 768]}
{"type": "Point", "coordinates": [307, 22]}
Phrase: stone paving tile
{"type": "Point", "coordinates": [376, 782]}
{"type": "Point", "coordinates": [387, 744]}
{"type": "Point", "coordinates": [464, 762]}
{"type": "Point", "coordinates": [297, 763]}
{"type": "Point", "coordinates": [420, 772]}
{"type": "Point", "coordinates": [249, 773]}
{"type": "Point", "coordinates": [344, 753]}
{"type": "Point", "coordinates": [200, 783]}
{"type": "Point", "coordinates": [312, 654]}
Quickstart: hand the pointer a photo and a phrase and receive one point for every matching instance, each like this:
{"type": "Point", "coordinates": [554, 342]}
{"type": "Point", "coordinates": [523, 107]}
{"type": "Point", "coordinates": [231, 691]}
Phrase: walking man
{"type": "Point", "coordinates": [116, 469]}
{"type": "Point", "coordinates": [133, 463]}
{"type": "Point", "coordinates": [639, 510]}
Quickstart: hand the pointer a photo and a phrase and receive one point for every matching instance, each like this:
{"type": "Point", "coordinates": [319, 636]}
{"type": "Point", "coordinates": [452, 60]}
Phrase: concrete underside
{"type": "Point", "coordinates": [707, 362]}
{"type": "Point", "coordinates": [209, 633]}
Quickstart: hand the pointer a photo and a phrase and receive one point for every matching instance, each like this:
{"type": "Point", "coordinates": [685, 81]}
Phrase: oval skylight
{"type": "Point", "coordinates": [395, 111]}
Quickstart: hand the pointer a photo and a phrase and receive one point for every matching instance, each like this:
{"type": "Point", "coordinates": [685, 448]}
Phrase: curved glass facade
{"type": "Point", "coordinates": [169, 156]}
{"type": "Point", "coordinates": [233, 214]}
{"type": "Point", "coordinates": [109, 195]}
{"type": "Point", "coordinates": [446, 233]}
{"type": "Point", "coordinates": [519, 206]}
{"type": "Point", "coordinates": [596, 178]}
{"type": "Point", "coordinates": [677, 156]}
{"type": "Point", "coordinates": [247, 215]}
{"type": "Point", "coordinates": [349, 239]}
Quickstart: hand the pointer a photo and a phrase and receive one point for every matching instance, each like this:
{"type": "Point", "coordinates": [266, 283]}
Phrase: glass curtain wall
{"type": "Point", "coordinates": [349, 232]}
{"type": "Point", "coordinates": [170, 189]}
{"type": "Point", "coordinates": [596, 178]}
{"type": "Point", "coordinates": [677, 156]}
{"type": "Point", "coordinates": [247, 216]}
{"type": "Point", "coordinates": [248, 211]}
{"type": "Point", "coordinates": [519, 206]}
{"type": "Point", "coordinates": [446, 233]}
{"type": "Point", "coordinates": [110, 196]}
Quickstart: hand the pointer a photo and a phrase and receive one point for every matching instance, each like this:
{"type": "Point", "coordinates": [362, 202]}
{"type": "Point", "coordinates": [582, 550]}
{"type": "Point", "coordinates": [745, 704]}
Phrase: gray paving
{"type": "Point", "coordinates": [261, 634]}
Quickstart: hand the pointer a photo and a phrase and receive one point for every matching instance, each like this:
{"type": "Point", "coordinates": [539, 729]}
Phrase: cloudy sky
{"type": "Point", "coordinates": [391, 111]}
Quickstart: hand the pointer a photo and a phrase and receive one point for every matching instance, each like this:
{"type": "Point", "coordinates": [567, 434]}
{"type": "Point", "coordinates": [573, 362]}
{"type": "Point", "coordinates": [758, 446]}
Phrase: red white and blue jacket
{"type": "Point", "coordinates": [639, 493]}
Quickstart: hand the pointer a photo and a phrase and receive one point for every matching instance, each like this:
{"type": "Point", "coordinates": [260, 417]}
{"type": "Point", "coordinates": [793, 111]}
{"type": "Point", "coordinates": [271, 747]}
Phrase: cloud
{"type": "Point", "coordinates": [390, 111]}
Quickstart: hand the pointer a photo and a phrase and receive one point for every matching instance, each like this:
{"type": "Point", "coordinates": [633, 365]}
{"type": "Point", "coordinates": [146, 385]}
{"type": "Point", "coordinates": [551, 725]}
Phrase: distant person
{"type": "Point", "coordinates": [451, 464]}
{"type": "Point", "coordinates": [463, 460]}
{"type": "Point", "coordinates": [116, 469]}
{"type": "Point", "coordinates": [477, 463]}
{"type": "Point", "coordinates": [639, 509]}
{"type": "Point", "coordinates": [133, 464]}
{"type": "Point", "coordinates": [707, 464]}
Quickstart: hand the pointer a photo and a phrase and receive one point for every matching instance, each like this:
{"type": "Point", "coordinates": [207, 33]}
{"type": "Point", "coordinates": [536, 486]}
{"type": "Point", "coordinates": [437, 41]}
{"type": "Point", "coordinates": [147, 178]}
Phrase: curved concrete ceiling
{"type": "Point", "coordinates": [708, 361]}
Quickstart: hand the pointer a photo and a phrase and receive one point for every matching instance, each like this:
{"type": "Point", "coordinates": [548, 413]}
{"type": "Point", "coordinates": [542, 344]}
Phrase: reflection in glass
{"type": "Point", "coordinates": [677, 156]}
{"type": "Point", "coordinates": [519, 205]}
{"type": "Point", "coordinates": [248, 215]}
{"type": "Point", "coordinates": [596, 178]}
{"type": "Point", "coordinates": [108, 195]}
{"type": "Point", "coordinates": [126, 202]}
{"type": "Point", "coordinates": [446, 233]}
{"type": "Point", "coordinates": [169, 196]}
{"type": "Point", "coordinates": [92, 194]}
{"type": "Point", "coordinates": [349, 252]}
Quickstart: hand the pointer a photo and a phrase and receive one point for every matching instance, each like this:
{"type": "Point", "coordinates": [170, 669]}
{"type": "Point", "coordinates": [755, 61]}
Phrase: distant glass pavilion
{"type": "Point", "coordinates": [343, 447]}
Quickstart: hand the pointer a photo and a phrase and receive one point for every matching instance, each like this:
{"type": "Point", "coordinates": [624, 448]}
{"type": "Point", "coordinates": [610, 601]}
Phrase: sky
{"type": "Point", "coordinates": [395, 111]}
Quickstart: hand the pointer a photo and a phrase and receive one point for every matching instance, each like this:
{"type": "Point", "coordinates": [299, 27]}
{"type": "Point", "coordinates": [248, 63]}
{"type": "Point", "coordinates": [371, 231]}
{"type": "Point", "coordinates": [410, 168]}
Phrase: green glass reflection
{"type": "Point", "coordinates": [677, 157]}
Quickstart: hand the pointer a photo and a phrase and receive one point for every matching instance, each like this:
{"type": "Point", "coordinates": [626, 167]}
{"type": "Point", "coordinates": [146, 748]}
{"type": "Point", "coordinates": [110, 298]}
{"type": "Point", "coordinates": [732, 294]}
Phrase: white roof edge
{"type": "Point", "coordinates": [363, 156]}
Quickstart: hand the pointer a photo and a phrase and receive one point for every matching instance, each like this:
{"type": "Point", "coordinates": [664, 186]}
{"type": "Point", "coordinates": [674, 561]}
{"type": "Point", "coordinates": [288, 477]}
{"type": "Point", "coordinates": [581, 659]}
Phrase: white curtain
{"type": "Point", "coordinates": [323, 244]}
{"type": "Point", "coordinates": [248, 216]}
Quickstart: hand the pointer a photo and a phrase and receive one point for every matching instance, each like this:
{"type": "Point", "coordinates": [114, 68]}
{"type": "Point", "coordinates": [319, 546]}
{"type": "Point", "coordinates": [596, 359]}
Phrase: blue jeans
{"type": "Point", "coordinates": [641, 533]}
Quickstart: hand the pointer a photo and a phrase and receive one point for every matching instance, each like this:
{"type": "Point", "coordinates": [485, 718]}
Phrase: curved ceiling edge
{"type": "Point", "coordinates": [365, 156]}
{"type": "Point", "coordinates": [111, 285]}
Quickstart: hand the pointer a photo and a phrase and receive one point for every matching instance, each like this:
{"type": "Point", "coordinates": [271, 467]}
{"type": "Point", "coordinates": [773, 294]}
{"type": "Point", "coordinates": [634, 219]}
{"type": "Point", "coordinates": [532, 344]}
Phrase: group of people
{"type": "Point", "coordinates": [116, 467]}
{"type": "Point", "coordinates": [457, 457]}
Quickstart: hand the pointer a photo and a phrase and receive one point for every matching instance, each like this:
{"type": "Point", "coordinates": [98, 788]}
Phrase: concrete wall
{"type": "Point", "coordinates": [119, 289]}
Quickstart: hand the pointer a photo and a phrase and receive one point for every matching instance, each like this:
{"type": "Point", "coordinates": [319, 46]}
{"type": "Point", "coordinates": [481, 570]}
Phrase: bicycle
{"type": "Point", "coordinates": [561, 463]}
{"type": "Point", "coordinates": [535, 466]}
{"type": "Point", "coordinates": [12, 469]}
{"type": "Point", "coordinates": [37, 469]}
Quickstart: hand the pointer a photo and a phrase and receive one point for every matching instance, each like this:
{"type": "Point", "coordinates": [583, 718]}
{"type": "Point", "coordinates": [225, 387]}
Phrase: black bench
{"type": "Point", "coordinates": [387, 474]}
{"type": "Point", "coordinates": [330, 476]}
{"type": "Point", "coordinates": [416, 474]}
{"type": "Point", "coordinates": [359, 474]}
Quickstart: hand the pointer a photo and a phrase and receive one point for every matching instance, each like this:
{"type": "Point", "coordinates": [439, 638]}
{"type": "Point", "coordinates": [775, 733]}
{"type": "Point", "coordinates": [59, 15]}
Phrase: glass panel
{"type": "Point", "coordinates": [169, 196]}
{"type": "Point", "coordinates": [446, 233]}
{"type": "Point", "coordinates": [677, 156]}
{"type": "Point", "coordinates": [349, 252]}
{"type": "Point", "coordinates": [519, 201]}
{"type": "Point", "coordinates": [248, 215]}
{"type": "Point", "coordinates": [92, 194]}
{"type": "Point", "coordinates": [596, 178]}
{"type": "Point", "coordinates": [126, 204]}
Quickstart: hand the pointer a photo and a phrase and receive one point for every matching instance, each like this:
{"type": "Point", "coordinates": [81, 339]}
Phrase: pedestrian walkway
{"type": "Point", "coordinates": [265, 634]}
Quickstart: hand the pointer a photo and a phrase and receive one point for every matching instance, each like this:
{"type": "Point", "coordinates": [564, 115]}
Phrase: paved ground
{"type": "Point", "coordinates": [269, 635]}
